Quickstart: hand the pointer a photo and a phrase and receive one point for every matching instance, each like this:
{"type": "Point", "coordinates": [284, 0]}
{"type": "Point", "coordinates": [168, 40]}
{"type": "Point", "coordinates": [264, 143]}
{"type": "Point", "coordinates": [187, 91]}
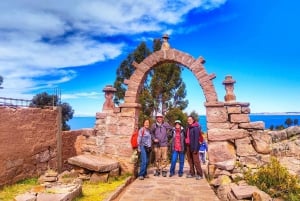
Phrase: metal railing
{"type": "Point", "coordinates": [14, 102]}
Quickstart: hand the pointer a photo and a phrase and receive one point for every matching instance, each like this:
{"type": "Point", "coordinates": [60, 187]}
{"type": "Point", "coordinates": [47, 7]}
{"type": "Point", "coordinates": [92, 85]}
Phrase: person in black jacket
{"type": "Point", "coordinates": [192, 148]}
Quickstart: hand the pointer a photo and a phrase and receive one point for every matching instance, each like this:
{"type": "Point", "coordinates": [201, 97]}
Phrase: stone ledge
{"type": "Point", "coordinates": [94, 163]}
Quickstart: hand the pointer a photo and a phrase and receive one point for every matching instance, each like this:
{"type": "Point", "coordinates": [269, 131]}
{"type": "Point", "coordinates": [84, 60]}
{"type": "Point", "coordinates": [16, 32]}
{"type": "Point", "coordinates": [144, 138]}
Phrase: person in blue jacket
{"type": "Point", "coordinates": [202, 151]}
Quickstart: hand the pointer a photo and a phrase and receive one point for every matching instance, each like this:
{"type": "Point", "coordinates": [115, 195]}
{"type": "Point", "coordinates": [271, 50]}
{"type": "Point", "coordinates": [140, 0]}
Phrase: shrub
{"type": "Point", "coordinates": [275, 180]}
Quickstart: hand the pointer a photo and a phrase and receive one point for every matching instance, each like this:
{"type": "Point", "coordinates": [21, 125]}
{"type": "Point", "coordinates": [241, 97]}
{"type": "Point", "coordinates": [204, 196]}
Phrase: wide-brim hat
{"type": "Point", "coordinates": [178, 122]}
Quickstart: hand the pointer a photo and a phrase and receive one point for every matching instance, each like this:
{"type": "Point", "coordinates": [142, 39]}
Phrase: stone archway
{"type": "Point", "coordinates": [175, 56]}
{"type": "Point", "coordinates": [229, 128]}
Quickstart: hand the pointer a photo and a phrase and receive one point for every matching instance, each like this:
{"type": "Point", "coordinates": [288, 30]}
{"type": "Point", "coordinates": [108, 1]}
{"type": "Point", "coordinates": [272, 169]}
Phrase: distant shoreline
{"type": "Point", "coordinates": [255, 113]}
{"type": "Point", "coordinates": [276, 113]}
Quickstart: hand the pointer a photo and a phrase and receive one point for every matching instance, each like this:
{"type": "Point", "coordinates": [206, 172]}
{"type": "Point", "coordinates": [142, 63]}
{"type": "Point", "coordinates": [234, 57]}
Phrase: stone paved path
{"type": "Point", "coordinates": [168, 189]}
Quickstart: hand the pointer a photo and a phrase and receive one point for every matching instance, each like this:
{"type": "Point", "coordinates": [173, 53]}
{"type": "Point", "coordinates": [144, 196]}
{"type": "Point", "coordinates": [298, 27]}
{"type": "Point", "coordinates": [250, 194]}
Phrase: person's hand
{"type": "Point", "coordinates": [194, 152]}
{"type": "Point", "coordinates": [156, 140]}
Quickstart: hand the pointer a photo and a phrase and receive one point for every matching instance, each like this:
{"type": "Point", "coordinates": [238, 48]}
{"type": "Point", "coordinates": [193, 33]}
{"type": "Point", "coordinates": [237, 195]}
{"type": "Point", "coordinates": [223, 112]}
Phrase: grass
{"type": "Point", "coordinates": [91, 192]}
{"type": "Point", "coordinates": [8, 193]}
{"type": "Point", "coordinates": [98, 192]}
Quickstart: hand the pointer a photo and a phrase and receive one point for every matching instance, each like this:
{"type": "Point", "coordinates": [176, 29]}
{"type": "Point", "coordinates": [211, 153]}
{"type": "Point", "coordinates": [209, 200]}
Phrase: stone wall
{"type": "Point", "coordinates": [111, 137]}
{"type": "Point", "coordinates": [233, 138]}
{"type": "Point", "coordinates": [72, 143]}
{"type": "Point", "coordinates": [28, 142]}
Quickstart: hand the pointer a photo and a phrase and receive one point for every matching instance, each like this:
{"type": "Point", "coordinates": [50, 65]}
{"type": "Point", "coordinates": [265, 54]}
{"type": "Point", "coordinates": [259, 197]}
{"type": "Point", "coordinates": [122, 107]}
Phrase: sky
{"type": "Point", "coordinates": [75, 47]}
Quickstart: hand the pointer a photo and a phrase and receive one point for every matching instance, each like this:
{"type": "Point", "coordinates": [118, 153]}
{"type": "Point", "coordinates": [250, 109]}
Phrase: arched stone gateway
{"type": "Point", "coordinates": [231, 135]}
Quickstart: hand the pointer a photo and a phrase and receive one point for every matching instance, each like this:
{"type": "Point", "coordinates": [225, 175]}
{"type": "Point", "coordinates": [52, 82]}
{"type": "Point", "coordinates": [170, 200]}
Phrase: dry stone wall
{"type": "Point", "coordinates": [28, 142]}
{"type": "Point", "coordinates": [110, 137]}
{"type": "Point", "coordinates": [72, 143]}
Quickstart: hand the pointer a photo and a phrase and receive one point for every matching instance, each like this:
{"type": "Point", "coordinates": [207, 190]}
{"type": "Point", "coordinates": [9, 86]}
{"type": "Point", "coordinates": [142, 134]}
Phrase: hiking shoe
{"type": "Point", "coordinates": [198, 177]}
{"type": "Point", "coordinates": [141, 178]}
{"type": "Point", "coordinates": [157, 173]}
{"type": "Point", "coordinates": [164, 173]}
{"type": "Point", "coordinates": [189, 176]}
{"type": "Point", "coordinates": [171, 175]}
{"type": "Point", "coordinates": [179, 175]}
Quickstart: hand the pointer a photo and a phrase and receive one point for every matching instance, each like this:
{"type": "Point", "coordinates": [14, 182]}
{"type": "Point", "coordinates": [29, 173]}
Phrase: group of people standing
{"type": "Point", "coordinates": [183, 142]}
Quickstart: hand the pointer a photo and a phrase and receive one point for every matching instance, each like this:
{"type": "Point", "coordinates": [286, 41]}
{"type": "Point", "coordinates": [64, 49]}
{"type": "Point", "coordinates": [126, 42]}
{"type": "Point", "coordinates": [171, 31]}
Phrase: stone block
{"type": "Point", "coordinates": [218, 125]}
{"type": "Point", "coordinates": [243, 192]}
{"type": "Point", "coordinates": [216, 115]}
{"type": "Point", "coordinates": [234, 109]}
{"type": "Point", "coordinates": [257, 125]}
{"type": "Point", "coordinates": [99, 177]}
{"type": "Point", "coordinates": [220, 151]}
{"type": "Point", "coordinates": [262, 142]}
{"type": "Point", "coordinates": [94, 163]}
{"type": "Point", "coordinates": [217, 134]}
{"type": "Point", "coordinates": [244, 147]}
{"type": "Point", "coordinates": [239, 118]}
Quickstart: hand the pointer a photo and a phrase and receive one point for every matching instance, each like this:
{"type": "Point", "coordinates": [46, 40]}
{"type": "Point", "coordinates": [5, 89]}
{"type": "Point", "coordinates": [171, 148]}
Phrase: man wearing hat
{"type": "Point", "coordinates": [159, 132]}
{"type": "Point", "coordinates": [178, 147]}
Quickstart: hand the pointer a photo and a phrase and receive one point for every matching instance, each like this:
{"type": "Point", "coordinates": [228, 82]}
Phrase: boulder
{"type": "Point", "coordinates": [262, 142]}
{"type": "Point", "coordinates": [94, 163]}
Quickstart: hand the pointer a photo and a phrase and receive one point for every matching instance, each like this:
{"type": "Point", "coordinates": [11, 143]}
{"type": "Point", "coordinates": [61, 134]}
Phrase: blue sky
{"type": "Point", "coordinates": [77, 45]}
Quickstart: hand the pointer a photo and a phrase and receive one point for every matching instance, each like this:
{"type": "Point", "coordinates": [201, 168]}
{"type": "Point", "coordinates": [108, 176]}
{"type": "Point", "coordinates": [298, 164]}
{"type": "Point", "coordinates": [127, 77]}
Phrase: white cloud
{"type": "Point", "coordinates": [38, 38]}
{"type": "Point", "coordinates": [91, 95]}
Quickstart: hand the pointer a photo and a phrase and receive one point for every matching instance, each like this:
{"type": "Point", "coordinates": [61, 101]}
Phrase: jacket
{"type": "Point", "coordinates": [194, 131]}
{"type": "Point", "coordinates": [144, 138]}
{"type": "Point", "coordinates": [160, 132]}
{"type": "Point", "coordinates": [182, 137]}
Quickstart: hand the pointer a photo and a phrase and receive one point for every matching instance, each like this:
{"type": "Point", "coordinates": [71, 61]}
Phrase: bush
{"type": "Point", "coordinates": [275, 180]}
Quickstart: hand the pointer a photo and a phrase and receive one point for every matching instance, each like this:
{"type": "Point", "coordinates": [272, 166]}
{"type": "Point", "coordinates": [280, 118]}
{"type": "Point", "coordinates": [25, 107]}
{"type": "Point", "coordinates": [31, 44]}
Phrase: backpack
{"type": "Point", "coordinates": [201, 139]}
{"type": "Point", "coordinates": [134, 137]}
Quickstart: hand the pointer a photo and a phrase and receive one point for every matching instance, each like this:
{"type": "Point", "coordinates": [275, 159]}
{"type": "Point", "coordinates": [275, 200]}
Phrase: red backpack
{"type": "Point", "coordinates": [134, 137]}
{"type": "Point", "coordinates": [201, 139]}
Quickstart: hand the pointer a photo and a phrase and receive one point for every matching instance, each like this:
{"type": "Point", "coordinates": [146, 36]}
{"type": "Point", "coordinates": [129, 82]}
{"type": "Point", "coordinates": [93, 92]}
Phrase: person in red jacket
{"type": "Point", "coordinates": [192, 148]}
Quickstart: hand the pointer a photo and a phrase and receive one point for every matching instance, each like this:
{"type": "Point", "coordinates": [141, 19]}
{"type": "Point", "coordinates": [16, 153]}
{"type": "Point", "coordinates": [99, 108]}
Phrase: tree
{"type": "Point", "coordinates": [126, 69]}
{"type": "Point", "coordinates": [44, 100]}
{"type": "Point", "coordinates": [288, 122]}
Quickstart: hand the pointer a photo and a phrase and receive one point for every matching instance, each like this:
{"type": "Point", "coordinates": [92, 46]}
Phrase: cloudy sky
{"type": "Point", "coordinates": [76, 46]}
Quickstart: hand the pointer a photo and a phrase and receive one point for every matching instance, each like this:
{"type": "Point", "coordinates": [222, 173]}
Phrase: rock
{"type": "Point", "coordinates": [223, 190]}
{"type": "Point", "coordinates": [26, 197]}
{"type": "Point", "coordinates": [243, 192]}
{"type": "Point", "coordinates": [94, 163]}
{"type": "Point", "coordinates": [43, 179]}
{"type": "Point", "coordinates": [99, 177]}
{"type": "Point", "coordinates": [244, 147]}
{"type": "Point", "coordinates": [292, 131]}
{"type": "Point", "coordinates": [262, 142]}
{"type": "Point", "coordinates": [226, 165]}
{"type": "Point", "coordinates": [221, 151]}
{"type": "Point", "coordinates": [261, 196]}
{"type": "Point", "coordinates": [216, 134]}
{"type": "Point", "coordinates": [278, 136]}
{"type": "Point", "coordinates": [257, 125]}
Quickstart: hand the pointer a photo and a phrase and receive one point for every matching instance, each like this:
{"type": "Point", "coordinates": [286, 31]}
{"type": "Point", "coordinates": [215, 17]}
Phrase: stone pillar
{"type": "Point", "coordinates": [229, 82]}
{"type": "Point", "coordinates": [108, 105]}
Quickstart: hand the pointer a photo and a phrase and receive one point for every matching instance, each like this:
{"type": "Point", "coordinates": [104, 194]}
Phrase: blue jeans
{"type": "Point", "coordinates": [144, 162]}
{"type": "Point", "coordinates": [175, 155]}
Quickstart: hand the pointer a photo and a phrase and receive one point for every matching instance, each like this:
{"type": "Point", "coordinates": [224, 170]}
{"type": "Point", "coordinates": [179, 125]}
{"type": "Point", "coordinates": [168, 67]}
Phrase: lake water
{"type": "Point", "coordinates": [275, 120]}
